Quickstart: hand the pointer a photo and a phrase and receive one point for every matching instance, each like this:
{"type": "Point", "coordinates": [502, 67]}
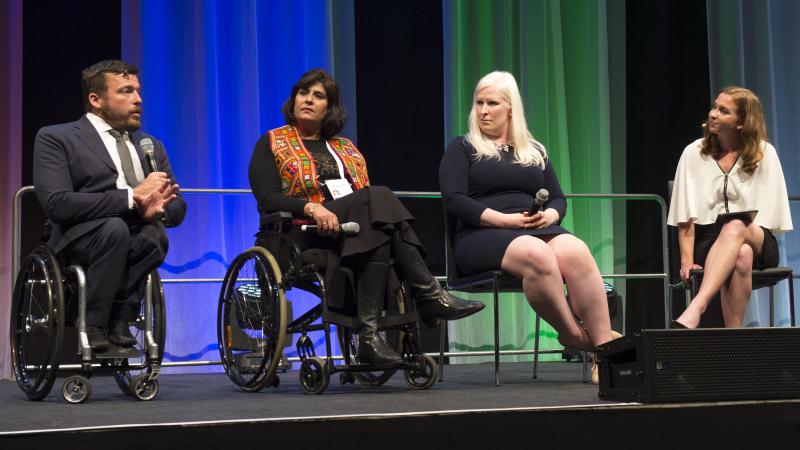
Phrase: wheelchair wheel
{"type": "Point", "coordinates": [37, 323]}
{"type": "Point", "coordinates": [143, 388]}
{"type": "Point", "coordinates": [159, 322]}
{"type": "Point", "coordinates": [251, 320]}
{"type": "Point", "coordinates": [76, 389]}
{"type": "Point", "coordinates": [348, 343]}
{"type": "Point", "coordinates": [314, 376]}
{"type": "Point", "coordinates": [424, 375]}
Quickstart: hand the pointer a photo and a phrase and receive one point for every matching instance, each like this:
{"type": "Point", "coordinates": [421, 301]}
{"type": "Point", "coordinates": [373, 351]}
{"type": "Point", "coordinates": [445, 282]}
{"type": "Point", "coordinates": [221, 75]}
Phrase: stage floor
{"type": "Point", "coordinates": [189, 398]}
{"type": "Point", "coordinates": [465, 411]}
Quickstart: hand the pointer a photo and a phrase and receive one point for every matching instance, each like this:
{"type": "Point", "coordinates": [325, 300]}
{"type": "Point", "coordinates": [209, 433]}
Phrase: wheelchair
{"type": "Point", "coordinates": [254, 320]}
{"type": "Point", "coordinates": [45, 300]}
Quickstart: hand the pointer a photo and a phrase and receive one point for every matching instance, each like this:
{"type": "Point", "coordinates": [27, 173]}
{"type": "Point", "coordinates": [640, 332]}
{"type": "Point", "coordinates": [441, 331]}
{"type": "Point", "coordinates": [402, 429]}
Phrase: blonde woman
{"type": "Point", "coordinates": [732, 168]}
{"type": "Point", "coordinates": [489, 180]}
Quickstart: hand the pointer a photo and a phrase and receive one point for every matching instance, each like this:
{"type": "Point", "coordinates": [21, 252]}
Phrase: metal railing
{"type": "Point", "coordinates": [664, 276]}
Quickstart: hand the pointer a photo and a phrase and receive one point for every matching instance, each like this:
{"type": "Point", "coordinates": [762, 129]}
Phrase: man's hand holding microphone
{"type": "Point", "coordinates": [156, 191]}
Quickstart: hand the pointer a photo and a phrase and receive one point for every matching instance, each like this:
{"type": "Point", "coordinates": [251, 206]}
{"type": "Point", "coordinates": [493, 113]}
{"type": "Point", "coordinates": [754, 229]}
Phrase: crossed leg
{"type": "Point", "coordinates": [728, 270]}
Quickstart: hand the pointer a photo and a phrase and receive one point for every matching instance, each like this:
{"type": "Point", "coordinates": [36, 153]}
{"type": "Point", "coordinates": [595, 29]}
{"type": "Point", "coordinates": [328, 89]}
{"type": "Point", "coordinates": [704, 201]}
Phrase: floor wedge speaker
{"type": "Point", "coordinates": [710, 364]}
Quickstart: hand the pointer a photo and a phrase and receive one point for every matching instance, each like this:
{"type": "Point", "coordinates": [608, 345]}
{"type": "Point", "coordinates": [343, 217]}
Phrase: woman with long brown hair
{"type": "Point", "coordinates": [731, 169]}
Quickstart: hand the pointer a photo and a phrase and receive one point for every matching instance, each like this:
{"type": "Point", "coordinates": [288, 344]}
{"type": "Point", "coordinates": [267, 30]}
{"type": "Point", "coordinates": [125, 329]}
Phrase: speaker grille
{"type": "Point", "coordinates": [724, 366]}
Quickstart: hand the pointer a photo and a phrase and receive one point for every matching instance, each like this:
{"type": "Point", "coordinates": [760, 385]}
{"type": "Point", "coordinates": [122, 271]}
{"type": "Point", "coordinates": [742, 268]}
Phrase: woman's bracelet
{"type": "Point", "coordinates": [311, 209]}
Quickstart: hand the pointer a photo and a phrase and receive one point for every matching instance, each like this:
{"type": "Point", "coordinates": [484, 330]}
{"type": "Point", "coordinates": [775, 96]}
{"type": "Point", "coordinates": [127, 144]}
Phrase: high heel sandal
{"type": "Point", "coordinates": [675, 325]}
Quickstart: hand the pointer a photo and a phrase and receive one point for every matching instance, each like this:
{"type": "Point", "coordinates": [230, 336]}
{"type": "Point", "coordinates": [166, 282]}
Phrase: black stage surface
{"type": "Point", "coordinates": [465, 411]}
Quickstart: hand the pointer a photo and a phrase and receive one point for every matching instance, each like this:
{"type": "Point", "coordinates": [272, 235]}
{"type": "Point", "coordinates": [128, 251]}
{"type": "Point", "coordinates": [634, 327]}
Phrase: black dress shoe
{"type": "Point", "coordinates": [120, 333]}
{"type": "Point", "coordinates": [97, 339]}
{"type": "Point", "coordinates": [445, 306]}
{"type": "Point", "coordinates": [432, 301]}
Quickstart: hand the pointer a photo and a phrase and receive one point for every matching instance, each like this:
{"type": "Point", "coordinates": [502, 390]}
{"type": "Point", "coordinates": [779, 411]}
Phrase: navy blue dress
{"type": "Point", "coordinates": [469, 187]}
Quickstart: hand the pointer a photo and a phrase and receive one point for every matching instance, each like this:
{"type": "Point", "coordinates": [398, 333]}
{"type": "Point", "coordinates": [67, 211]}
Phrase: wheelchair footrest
{"type": "Point", "coordinates": [372, 368]}
{"type": "Point", "coordinates": [116, 352]}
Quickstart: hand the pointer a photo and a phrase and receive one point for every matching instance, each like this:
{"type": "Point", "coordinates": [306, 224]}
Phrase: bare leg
{"type": "Point", "coordinates": [532, 260]}
{"type": "Point", "coordinates": [736, 292]}
{"type": "Point", "coordinates": [720, 265]}
{"type": "Point", "coordinates": [587, 295]}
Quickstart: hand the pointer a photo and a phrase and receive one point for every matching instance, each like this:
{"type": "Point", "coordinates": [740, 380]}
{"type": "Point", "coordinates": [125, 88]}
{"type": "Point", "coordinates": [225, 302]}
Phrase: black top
{"type": "Point", "coordinates": [469, 186]}
{"type": "Point", "coordinates": [266, 182]}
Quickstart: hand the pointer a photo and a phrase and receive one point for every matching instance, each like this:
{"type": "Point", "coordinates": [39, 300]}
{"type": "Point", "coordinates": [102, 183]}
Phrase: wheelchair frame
{"type": "Point", "coordinates": [420, 370]}
{"type": "Point", "coordinates": [42, 270]}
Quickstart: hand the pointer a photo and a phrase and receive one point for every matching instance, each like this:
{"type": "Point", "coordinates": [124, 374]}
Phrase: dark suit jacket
{"type": "Point", "coordinates": [76, 181]}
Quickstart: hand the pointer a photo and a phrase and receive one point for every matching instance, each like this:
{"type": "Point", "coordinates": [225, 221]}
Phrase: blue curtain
{"type": "Point", "coordinates": [214, 76]}
{"type": "Point", "coordinates": [757, 45]}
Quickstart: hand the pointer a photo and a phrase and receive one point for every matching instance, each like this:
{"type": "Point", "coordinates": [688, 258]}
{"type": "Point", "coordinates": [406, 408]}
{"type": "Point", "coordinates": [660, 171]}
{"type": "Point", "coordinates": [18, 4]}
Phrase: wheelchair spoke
{"type": "Point", "coordinates": [248, 324]}
{"type": "Point", "coordinates": [37, 323]}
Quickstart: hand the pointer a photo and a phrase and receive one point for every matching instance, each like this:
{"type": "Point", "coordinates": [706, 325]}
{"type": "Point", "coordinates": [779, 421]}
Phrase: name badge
{"type": "Point", "coordinates": [339, 188]}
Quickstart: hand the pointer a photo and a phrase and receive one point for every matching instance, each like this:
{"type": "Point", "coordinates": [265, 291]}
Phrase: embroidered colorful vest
{"type": "Point", "coordinates": [297, 169]}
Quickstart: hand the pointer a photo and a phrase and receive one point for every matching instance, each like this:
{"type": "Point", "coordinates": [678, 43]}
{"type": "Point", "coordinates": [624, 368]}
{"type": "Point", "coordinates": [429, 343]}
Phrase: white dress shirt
{"type": "Point", "coordinates": [110, 142]}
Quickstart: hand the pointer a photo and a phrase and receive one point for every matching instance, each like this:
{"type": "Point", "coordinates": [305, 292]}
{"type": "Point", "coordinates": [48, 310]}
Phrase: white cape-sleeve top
{"type": "Point", "coordinates": [700, 189]}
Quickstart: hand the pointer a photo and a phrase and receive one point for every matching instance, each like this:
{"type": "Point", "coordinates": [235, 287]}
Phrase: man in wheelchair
{"type": "Point", "coordinates": [109, 193]}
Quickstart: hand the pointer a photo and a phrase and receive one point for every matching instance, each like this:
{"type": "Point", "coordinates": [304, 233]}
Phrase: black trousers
{"type": "Point", "coordinates": [117, 256]}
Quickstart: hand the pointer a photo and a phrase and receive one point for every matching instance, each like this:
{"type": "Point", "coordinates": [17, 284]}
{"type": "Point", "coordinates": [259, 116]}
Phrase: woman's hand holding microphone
{"type": "Point", "coordinates": [327, 222]}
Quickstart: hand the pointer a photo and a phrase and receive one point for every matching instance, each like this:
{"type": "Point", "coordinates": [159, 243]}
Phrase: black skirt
{"type": "Point", "coordinates": [481, 249]}
{"type": "Point", "coordinates": [379, 214]}
{"type": "Point", "coordinates": [706, 235]}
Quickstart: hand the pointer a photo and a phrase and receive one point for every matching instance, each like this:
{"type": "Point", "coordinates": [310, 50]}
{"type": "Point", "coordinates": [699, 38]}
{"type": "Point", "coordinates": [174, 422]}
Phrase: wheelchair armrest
{"type": "Point", "coordinates": [282, 221]}
{"type": "Point", "coordinates": [277, 216]}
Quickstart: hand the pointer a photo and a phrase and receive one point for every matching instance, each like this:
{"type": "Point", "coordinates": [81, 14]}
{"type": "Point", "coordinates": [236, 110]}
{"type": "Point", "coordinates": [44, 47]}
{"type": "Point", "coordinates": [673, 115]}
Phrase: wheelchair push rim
{"type": "Point", "coordinates": [251, 320]}
{"type": "Point", "coordinates": [37, 323]}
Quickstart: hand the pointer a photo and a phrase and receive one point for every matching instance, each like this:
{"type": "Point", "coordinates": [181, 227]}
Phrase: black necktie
{"type": "Point", "coordinates": [125, 158]}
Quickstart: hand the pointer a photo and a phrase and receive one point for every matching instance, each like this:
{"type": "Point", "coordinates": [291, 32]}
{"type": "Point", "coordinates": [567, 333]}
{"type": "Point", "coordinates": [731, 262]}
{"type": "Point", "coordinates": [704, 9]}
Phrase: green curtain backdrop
{"type": "Point", "coordinates": [568, 58]}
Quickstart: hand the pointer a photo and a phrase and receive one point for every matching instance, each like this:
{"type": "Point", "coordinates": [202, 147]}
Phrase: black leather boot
{"type": "Point", "coordinates": [432, 301]}
{"type": "Point", "coordinates": [371, 292]}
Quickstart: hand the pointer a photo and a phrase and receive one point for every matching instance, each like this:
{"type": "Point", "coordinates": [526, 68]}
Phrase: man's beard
{"type": "Point", "coordinates": [122, 122]}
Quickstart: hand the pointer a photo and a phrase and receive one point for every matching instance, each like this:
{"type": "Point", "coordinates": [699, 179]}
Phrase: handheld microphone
{"type": "Point", "coordinates": [348, 228]}
{"type": "Point", "coordinates": [541, 198]}
{"type": "Point", "coordinates": [147, 147]}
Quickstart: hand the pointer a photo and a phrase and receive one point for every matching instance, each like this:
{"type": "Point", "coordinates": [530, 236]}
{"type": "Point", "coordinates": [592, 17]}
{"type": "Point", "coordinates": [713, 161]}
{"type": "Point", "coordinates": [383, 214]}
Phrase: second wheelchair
{"type": "Point", "coordinates": [254, 321]}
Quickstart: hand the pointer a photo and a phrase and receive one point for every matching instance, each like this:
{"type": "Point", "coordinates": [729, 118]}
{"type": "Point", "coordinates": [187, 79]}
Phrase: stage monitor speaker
{"type": "Point", "coordinates": [710, 364]}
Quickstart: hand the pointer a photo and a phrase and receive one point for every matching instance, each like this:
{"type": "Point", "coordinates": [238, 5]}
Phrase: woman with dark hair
{"type": "Point", "coordinates": [305, 169]}
{"type": "Point", "coordinates": [732, 168]}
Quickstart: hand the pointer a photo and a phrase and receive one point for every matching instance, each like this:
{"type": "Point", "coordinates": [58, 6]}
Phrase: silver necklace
{"type": "Point", "coordinates": [503, 147]}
